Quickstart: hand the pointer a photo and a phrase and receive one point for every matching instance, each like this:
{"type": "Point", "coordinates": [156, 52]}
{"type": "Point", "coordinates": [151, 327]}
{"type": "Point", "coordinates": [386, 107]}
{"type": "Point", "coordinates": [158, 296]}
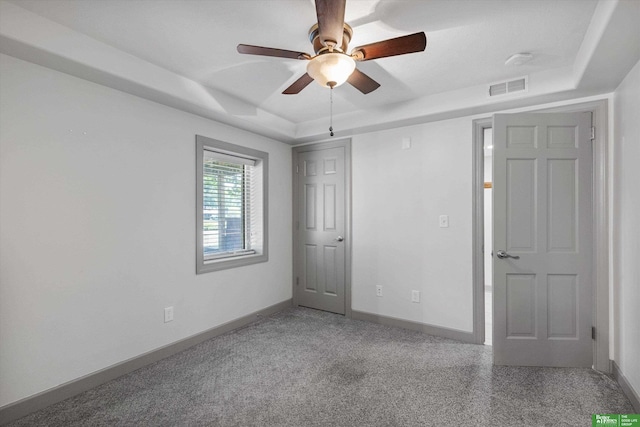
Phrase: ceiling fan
{"type": "Point", "coordinates": [331, 66]}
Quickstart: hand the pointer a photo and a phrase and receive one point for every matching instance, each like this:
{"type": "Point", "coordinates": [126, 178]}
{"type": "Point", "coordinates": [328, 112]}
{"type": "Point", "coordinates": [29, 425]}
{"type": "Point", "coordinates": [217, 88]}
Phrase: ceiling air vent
{"type": "Point", "coordinates": [504, 88]}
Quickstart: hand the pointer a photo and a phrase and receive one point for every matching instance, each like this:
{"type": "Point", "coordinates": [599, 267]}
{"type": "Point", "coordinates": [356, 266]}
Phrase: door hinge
{"type": "Point", "coordinates": [593, 332]}
{"type": "Point", "coordinates": [593, 133]}
{"type": "Point", "coordinates": [297, 225]}
{"type": "Point", "coordinates": [298, 167]}
{"type": "Point", "coordinates": [297, 281]}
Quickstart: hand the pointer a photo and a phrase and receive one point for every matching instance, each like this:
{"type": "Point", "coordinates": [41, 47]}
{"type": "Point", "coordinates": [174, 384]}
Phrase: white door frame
{"type": "Point", "coordinates": [599, 111]}
{"type": "Point", "coordinates": [346, 143]}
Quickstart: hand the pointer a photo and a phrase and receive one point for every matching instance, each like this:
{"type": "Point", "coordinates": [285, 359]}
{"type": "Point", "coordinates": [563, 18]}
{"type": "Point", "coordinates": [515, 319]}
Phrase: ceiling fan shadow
{"type": "Point", "coordinates": [391, 88]}
{"type": "Point", "coordinates": [428, 16]}
{"type": "Point", "coordinates": [230, 103]}
{"type": "Point", "coordinates": [252, 82]}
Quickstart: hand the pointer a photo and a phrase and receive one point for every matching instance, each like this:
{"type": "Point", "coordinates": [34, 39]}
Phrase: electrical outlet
{"type": "Point", "coordinates": [415, 296]}
{"type": "Point", "coordinates": [378, 291]}
{"type": "Point", "coordinates": [168, 314]}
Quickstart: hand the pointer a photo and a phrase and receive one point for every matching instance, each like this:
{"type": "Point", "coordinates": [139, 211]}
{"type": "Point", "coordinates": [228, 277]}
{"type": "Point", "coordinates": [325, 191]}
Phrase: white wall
{"type": "Point", "coordinates": [398, 196]}
{"type": "Point", "coordinates": [97, 227]}
{"type": "Point", "coordinates": [626, 227]}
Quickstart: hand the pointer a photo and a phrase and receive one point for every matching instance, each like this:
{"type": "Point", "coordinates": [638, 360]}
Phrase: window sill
{"type": "Point", "coordinates": [230, 262]}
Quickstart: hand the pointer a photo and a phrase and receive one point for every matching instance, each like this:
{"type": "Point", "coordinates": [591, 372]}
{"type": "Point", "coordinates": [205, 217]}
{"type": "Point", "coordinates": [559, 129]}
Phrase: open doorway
{"type": "Point", "coordinates": [598, 109]}
{"type": "Point", "coordinates": [487, 138]}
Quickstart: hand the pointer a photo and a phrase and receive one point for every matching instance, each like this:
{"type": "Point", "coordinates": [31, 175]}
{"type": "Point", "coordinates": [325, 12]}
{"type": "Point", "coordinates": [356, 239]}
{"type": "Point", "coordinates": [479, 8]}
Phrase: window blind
{"type": "Point", "coordinates": [229, 217]}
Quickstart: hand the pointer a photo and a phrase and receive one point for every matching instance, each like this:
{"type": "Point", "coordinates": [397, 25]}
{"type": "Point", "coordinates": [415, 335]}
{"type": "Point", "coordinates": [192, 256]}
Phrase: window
{"type": "Point", "coordinates": [231, 225]}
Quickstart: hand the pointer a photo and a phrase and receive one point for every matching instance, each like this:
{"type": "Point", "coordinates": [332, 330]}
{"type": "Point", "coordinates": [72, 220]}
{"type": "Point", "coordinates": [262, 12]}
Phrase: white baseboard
{"type": "Point", "coordinates": [30, 404]}
{"type": "Point", "coordinates": [628, 390]}
{"type": "Point", "coordinates": [438, 331]}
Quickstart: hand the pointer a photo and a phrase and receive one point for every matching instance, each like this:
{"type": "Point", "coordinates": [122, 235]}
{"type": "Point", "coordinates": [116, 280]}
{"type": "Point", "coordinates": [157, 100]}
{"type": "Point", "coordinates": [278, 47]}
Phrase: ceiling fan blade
{"type": "Point", "coordinates": [330, 21]}
{"type": "Point", "coordinates": [298, 85]}
{"type": "Point", "coordinates": [362, 82]}
{"type": "Point", "coordinates": [270, 51]}
{"type": "Point", "coordinates": [399, 46]}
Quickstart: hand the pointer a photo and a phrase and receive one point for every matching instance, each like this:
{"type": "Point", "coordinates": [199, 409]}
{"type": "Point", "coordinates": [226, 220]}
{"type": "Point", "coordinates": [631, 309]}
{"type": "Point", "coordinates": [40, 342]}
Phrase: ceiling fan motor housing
{"type": "Point", "coordinates": [314, 38]}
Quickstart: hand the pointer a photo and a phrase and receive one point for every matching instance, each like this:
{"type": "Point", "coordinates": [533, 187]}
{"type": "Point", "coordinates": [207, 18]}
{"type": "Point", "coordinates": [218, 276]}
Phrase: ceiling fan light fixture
{"type": "Point", "coordinates": [331, 69]}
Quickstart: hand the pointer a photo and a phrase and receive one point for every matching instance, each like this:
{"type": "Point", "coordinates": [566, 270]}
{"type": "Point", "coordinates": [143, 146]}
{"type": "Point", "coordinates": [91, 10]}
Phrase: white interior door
{"type": "Point", "coordinates": [542, 207]}
{"type": "Point", "coordinates": [320, 229]}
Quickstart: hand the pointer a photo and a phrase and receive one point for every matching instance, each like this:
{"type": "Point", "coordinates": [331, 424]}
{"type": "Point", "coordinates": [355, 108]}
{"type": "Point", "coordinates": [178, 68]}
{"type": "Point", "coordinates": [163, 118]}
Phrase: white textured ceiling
{"type": "Point", "coordinates": [468, 43]}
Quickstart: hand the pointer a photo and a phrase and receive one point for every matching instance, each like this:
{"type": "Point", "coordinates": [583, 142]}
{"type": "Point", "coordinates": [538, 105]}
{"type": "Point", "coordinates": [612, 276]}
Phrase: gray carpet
{"type": "Point", "coordinates": [304, 367]}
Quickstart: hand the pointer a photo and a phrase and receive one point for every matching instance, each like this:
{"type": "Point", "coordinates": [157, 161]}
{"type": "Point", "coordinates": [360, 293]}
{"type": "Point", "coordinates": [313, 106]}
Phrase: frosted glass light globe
{"type": "Point", "coordinates": [331, 69]}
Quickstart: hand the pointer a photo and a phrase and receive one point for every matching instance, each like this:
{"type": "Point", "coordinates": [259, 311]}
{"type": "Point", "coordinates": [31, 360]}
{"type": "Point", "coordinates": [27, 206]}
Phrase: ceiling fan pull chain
{"type": "Point", "coordinates": [331, 111]}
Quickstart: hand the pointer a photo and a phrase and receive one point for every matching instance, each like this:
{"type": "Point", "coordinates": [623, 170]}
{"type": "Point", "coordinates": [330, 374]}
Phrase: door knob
{"type": "Point", "coordinates": [339, 239]}
{"type": "Point", "coordinates": [504, 255]}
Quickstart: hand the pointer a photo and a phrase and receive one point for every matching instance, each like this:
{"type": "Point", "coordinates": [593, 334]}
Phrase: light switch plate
{"type": "Point", "coordinates": [406, 143]}
{"type": "Point", "coordinates": [415, 296]}
{"type": "Point", "coordinates": [444, 221]}
{"type": "Point", "coordinates": [168, 314]}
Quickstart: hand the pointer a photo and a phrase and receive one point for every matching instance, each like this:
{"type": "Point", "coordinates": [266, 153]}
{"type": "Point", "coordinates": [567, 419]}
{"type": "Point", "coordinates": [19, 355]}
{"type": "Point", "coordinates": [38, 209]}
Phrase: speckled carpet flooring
{"type": "Point", "coordinates": [304, 367]}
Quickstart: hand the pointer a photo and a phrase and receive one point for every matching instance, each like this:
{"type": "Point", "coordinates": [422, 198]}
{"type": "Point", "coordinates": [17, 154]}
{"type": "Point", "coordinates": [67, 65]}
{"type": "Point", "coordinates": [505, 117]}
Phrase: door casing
{"type": "Point", "coordinates": [346, 144]}
{"type": "Point", "coordinates": [600, 310]}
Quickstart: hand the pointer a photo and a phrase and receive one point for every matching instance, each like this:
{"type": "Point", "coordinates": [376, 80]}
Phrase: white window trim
{"type": "Point", "coordinates": [262, 160]}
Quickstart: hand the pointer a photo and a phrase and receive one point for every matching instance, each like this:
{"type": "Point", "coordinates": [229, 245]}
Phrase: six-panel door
{"type": "Point", "coordinates": [320, 227]}
{"type": "Point", "coordinates": [543, 215]}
